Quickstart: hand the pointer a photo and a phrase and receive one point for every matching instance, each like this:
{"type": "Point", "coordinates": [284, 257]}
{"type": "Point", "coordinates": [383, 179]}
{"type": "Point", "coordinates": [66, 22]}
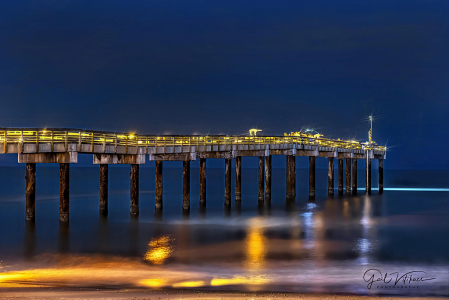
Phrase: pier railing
{"type": "Point", "coordinates": [22, 137]}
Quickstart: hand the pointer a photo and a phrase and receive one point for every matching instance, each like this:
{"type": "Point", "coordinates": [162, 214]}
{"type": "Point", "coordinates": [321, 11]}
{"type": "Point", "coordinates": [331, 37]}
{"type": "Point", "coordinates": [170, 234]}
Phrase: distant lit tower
{"type": "Point", "coordinates": [368, 162]}
{"type": "Point", "coordinates": [370, 132]}
{"type": "Point", "coordinates": [254, 131]}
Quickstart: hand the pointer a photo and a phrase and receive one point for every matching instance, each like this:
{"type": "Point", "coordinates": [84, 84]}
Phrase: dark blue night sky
{"type": "Point", "coordinates": [222, 67]}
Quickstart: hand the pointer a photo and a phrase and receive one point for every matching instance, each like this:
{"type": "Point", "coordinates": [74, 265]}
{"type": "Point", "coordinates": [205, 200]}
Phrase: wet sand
{"type": "Point", "coordinates": [55, 293]}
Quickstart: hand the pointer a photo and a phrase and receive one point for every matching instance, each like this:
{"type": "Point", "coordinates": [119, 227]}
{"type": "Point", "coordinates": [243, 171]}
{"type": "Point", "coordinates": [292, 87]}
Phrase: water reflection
{"type": "Point", "coordinates": [238, 208]}
{"type": "Point", "coordinates": [314, 232]}
{"type": "Point", "coordinates": [158, 214]}
{"type": "Point", "coordinates": [365, 243]}
{"type": "Point", "coordinates": [227, 210]}
{"type": "Point", "coordinates": [240, 280]}
{"type": "Point", "coordinates": [255, 244]}
{"type": "Point", "coordinates": [133, 235]}
{"type": "Point", "coordinates": [189, 284]}
{"type": "Point", "coordinates": [64, 238]}
{"type": "Point", "coordinates": [103, 233]}
{"type": "Point", "coordinates": [159, 249]}
{"type": "Point", "coordinates": [30, 240]}
{"type": "Point", "coordinates": [153, 283]}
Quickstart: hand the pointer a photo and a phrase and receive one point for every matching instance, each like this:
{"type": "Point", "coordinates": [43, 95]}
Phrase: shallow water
{"type": "Point", "coordinates": [325, 245]}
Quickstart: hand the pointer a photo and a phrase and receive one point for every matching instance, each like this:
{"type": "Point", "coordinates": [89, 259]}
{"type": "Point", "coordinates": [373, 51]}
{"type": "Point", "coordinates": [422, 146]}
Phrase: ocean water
{"type": "Point", "coordinates": [337, 244]}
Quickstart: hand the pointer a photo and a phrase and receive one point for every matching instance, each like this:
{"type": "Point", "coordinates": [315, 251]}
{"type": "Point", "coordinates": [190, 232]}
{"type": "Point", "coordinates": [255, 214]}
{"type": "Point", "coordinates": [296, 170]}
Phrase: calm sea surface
{"type": "Point", "coordinates": [325, 245]}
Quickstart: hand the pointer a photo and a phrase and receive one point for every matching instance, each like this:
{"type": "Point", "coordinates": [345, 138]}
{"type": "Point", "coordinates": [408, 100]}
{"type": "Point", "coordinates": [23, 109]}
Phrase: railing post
{"type": "Point", "coordinates": [65, 142]}
{"type": "Point", "coordinates": [4, 142]}
{"type": "Point", "coordinates": [126, 144]}
{"type": "Point", "coordinates": [21, 141]}
{"type": "Point", "coordinates": [52, 146]}
{"type": "Point", "coordinates": [79, 141]}
{"type": "Point", "coordinates": [37, 141]}
{"type": "Point", "coordinates": [182, 145]}
{"type": "Point", "coordinates": [146, 145]}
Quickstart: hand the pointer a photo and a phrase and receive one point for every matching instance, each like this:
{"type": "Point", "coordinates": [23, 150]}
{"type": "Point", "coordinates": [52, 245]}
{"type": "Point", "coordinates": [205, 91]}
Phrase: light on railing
{"type": "Point", "coordinates": [131, 136]}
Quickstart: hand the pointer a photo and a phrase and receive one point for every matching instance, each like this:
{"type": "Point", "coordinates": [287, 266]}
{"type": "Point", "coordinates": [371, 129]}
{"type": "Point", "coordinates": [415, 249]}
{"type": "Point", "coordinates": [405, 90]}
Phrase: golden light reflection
{"type": "Point", "coordinates": [159, 249]}
{"type": "Point", "coordinates": [152, 282]}
{"type": "Point", "coordinates": [114, 271]}
{"type": "Point", "coordinates": [255, 244]}
{"type": "Point", "coordinates": [17, 279]}
{"type": "Point", "coordinates": [239, 280]}
{"type": "Point", "coordinates": [189, 284]}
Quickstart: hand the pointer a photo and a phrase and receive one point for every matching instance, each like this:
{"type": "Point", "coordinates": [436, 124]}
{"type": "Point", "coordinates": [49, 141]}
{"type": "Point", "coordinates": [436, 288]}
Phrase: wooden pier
{"type": "Point", "coordinates": [63, 146]}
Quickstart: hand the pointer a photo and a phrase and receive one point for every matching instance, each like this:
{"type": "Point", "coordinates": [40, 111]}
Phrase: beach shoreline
{"type": "Point", "coordinates": [93, 293]}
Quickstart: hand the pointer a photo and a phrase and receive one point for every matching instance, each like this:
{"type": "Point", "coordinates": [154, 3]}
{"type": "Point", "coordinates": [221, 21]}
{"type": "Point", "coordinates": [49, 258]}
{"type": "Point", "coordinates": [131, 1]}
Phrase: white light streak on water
{"type": "Point", "coordinates": [411, 189]}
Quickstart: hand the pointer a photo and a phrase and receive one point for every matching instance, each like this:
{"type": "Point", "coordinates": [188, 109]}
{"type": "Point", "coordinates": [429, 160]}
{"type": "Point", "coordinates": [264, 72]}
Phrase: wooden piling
{"type": "Point", "coordinates": [288, 187]}
{"type": "Point", "coordinates": [227, 181]}
{"type": "Point", "coordinates": [340, 176]}
{"type": "Point", "coordinates": [186, 185]}
{"type": "Point", "coordinates": [134, 177]}
{"type": "Point", "coordinates": [238, 178]}
{"type": "Point", "coordinates": [268, 177]}
{"type": "Point", "coordinates": [293, 174]}
{"type": "Point", "coordinates": [64, 170]}
{"type": "Point", "coordinates": [381, 176]}
{"type": "Point", "coordinates": [348, 176]}
{"type": "Point", "coordinates": [261, 178]}
{"type": "Point", "coordinates": [158, 185]}
{"type": "Point", "coordinates": [354, 176]}
{"type": "Point", "coordinates": [330, 176]}
{"type": "Point", "coordinates": [311, 176]}
{"type": "Point", "coordinates": [104, 189]}
{"type": "Point", "coordinates": [203, 182]}
{"type": "Point", "coordinates": [30, 178]}
{"type": "Point", "coordinates": [291, 177]}
{"type": "Point", "coordinates": [368, 176]}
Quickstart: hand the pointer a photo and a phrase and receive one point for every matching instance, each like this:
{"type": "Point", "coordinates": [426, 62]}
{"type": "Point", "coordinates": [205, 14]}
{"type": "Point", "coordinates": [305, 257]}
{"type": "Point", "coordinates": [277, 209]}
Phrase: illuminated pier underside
{"type": "Point", "coordinates": [63, 146]}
